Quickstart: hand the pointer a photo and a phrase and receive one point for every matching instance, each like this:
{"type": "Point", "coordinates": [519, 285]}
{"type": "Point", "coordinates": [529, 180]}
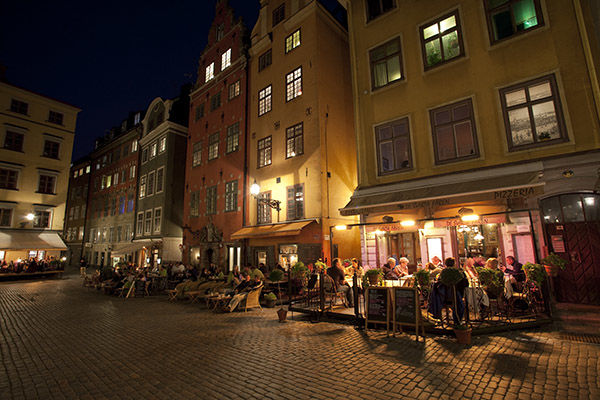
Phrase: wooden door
{"type": "Point", "coordinates": [580, 244]}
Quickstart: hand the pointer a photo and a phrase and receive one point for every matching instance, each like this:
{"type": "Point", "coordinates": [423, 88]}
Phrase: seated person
{"type": "Point", "coordinates": [336, 272]}
{"type": "Point", "coordinates": [388, 269]}
{"type": "Point", "coordinates": [469, 268]}
{"type": "Point", "coordinates": [433, 270]}
{"type": "Point", "coordinates": [402, 267]}
{"type": "Point", "coordinates": [491, 263]}
{"type": "Point", "coordinates": [241, 292]}
{"type": "Point", "coordinates": [514, 269]}
{"type": "Point", "coordinates": [254, 272]}
{"type": "Point", "coordinates": [356, 268]}
{"type": "Point", "coordinates": [234, 278]}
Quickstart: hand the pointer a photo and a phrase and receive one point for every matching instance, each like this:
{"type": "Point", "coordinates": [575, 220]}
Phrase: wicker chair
{"type": "Point", "coordinates": [253, 299]}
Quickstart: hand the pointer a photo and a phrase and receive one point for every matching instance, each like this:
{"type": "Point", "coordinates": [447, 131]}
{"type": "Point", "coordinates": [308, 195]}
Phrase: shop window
{"type": "Point", "coordinates": [264, 101]}
{"type": "Point", "coordinates": [51, 149]}
{"type": "Point", "coordinates": [293, 84]}
{"type": "Point", "coordinates": [231, 194]}
{"type": "Point", "coordinates": [211, 200]}
{"type": "Point", "coordinates": [294, 144]}
{"type": "Point", "coordinates": [435, 248]}
{"type": "Point", "coordinates": [41, 219]}
{"type": "Point", "coordinates": [213, 146]}
{"type": "Point", "coordinates": [507, 18]}
{"type": "Point", "coordinates": [292, 41]}
{"type": "Point", "coordinates": [234, 89]}
{"type": "Point", "coordinates": [288, 255]}
{"type": "Point", "coordinates": [264, 152]}
{"type": "Point", "coordinates": [533, 114]}
{"type": "Point", "coordinates": [386, 64]}
{"type": "Point", "coordinates": [591, 207]}
{"type": "Point", "coordinates": [441, 40]}
{"type": "Point", "coordinates": [233, 138]}
{"type": "Point", "coordinates": [19, 106]}
{"type": "Point", "coordinates": [551, 210]}
{"type": "Point", "coordinates": [454, 134]}
{"type": "Point", "coordinates": [264, 60]}
{"type": "Point", "coordinates": [393, 146]}
{"type": "Point", "coordinates": [5, 217]}
{"type": "Point", "coordinates": [226, 59]}
{"type": "Point", "coordinates": [279, 14]}
{"type": "Point", "coordinates": [263, 210]}
{"type": "Point", "coordinates": [14, 141]}
{"type": "Point", "coordinates": [295, 202]}
{"type": "Point", "coordinates": [210, 72]}
{"type": "Point", "coordinates": [377, 7]}
{"type": "Point", "coordinates": [196, 154]}
{"type": "Point", "coordinates": [574, 207]}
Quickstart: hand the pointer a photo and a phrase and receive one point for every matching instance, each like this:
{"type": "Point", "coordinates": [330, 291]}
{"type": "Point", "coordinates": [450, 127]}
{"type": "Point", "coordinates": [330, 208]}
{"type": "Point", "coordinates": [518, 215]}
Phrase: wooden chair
{"type": "Point", "coordinates": [331, 294]}
{"type": "Point", "coordinates": [253, 299]}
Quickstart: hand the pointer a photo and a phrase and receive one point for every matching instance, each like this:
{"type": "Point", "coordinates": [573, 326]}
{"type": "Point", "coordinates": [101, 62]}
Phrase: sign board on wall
{"type": "Point", "coordinates": [558, 244]}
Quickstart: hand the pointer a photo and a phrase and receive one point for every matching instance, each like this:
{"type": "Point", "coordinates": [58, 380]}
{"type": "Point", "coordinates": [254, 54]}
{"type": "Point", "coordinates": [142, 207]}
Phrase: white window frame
{"type": "Point", "coordinates": [153, 150]}
{"type": "Point", "coordinates": [265, 100]}
{"type": "Point", "coordinates": [142, 192]}
{"type": "Point", "coordinates": [162, 181]}
{"type": "Point", "coordinates": [226, 59]}
{"type": "Point", "coordinates": [140, 223]}
{"type": "Point", "coordinates": [155, 230]}
{"type": "Point", "coordinates": [162, 144]}
{"type": "Point", "coordinates": [148, 222]}
{"type": "Point", "coordinates": [210, 72]}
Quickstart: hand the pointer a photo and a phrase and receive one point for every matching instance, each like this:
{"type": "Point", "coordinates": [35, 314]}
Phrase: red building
{"type": "Point", "coordinates": [215, 174]}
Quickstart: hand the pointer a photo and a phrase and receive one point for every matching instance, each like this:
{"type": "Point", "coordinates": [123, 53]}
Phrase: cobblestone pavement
{"type": "Point", "coordinates": [60, 340]}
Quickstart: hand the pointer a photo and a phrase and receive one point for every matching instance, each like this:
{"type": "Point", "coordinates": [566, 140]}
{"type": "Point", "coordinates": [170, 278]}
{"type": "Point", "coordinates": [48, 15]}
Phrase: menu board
{"type": "Point", "coordinates": [377, 308]}
{"type": "Point", "coordinates": [405, 305]}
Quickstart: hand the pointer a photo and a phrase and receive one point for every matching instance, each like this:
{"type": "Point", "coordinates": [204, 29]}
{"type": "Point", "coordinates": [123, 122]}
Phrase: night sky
{"type": "Point", "coordinates": [107, 58]}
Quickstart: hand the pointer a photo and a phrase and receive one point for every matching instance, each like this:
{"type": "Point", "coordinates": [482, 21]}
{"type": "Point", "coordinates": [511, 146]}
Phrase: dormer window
{"type": "Point", "coordinates": [210, 72]}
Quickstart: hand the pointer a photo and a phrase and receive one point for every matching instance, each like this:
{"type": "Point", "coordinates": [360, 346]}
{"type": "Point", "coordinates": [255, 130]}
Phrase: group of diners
{"type": "Point", "coordinates": [31, 265]}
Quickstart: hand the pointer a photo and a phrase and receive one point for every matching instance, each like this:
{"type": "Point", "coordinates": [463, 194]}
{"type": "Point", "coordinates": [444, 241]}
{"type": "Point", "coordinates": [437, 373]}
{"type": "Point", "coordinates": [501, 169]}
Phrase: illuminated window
{"type": "Point", "coordinates": [507, 18]}
{"type": "Point", "coordinates": [142, 187]}
{"type": "Point", "coordinates": [294, 140]}
{"type": "Point", "coordinates": [264, 101]}
{"type": "Point", "coordinates": [292, 41]}
{"type": "Point", "coordinates": [441, 40]}
{"type": "Point", "coordinates": [233, 138]}
{"type": "Point", "coordinates": [264, 152]}
{"type": "Point", "coordinates": [263, 210]}
{"type": "Point", "coordinates": [210, 72]}
{"type": "Point", "coordinates": [295, 202]}
{"type": "Point", "coordinates": [293, 84]}
{"type": "Point", "coordinates": [157, 219]}
{"type": "Point", "coordinates": [162, 144]}
{"type": "Point", "coordinates": [213, 146]}
{"type": "Point", "coordinates": [386, 64]}
{"type": "Point", "coordinates": [234, 89]}
{"type": "Point", "coordinates": [226, 59]}
{"type": "Point", "coordinates": [231, 189]}
{"type": "Point", "coordinates": [196, 154]}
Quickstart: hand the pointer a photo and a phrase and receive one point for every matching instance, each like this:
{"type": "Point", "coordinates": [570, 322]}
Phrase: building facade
{"type": "Point", "coordinates": [301, 148]}
{"type": "Point", "coordinates": [36, 135]}
{"type": "Point", "coordinates": [216, 153]}
{"type": "Point", "coordinates": [76, 210]}
{"type": "Point", "coordinates": [112, 195]}
{"type": "Point", "coordinates": [477, 131]}
{"type": "Point", "coordinates": [159, 206]}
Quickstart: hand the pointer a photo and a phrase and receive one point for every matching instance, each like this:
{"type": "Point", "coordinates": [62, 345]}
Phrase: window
{"type": "Point", "coordinates": [220, 32]}
{"type": "Point", "coordinates": [393, 147]}
{"type": "Point", "coordinates": [136, 118]}
{"type": "Point", "coordinates": [8, 178]}
{"type": "Point", "coordinates": [295, 202]}
{"type": "Point", "coordinates": [454, 135]}
{"type": "Point", "coordinates": [108, 181]}
{"type": "Point", "coordinates": [148, 222]}
{"type": "Point", "coordinates": [120, 233]}
{"type": "Point", "coordinates": [293, 84]}
{"type": "Point", "coordinates": [377, 7]}
{"type": "Point", "coordinates": [87, 169]}
{"type": "Point", "coordinates": [122, 204]}
{"type": "Point", "coordinates": [234, 89]}
{"type": "Point", "coordinates": [153, 148]}
{"type": "Point", "coordinates": [215, 101]}
{"type": "Point", "coordinates": [46, 184]}
{"type": "Point", "coordinates": [41, 219]}
{"type": "Point", "coordinates": [213, 146]}
{"type": "Point", "coordinates": [231, 189]}
{"type": "Point", "coordinates": [144, 155]}
{"type": "Point", "coordinates": [279, 14]}
{"type": "Point", "coordinates": [13, 141]}
{"type": "Point", "coordinates": [233, 138]}
{"type": "Point", "coordinates": [132, 172]}
{"type": "Point", "coordinates": [162, 144]}
{"type": "Point", "coordinates": [80, 234]}
{"type": "Point", "coordinates": [507, 18]}
{"type": "Point", "coordinates": [160, 179]}
{"type": "Point", "coordinates": [210, 72]}
{"type": "Point", "coordinates": [264, 210]}
{"type": "Point", "coordinates": [264, 101]}
{"type": "Point", "coordinates": [130, 202]}
{"type": "Point", "coordinates": [292, 41]}
{"type": "Point", "coordinates": [5, 217]}
{"type": "Point", "coordinates": [226, 59]}
{"type": "Point", "coordinates": [157, 219]}
{"type": "Point", "coordinates": [441, 40]}
{"type": "Point", "coordinates": [55, 117]}
{"type": "Point", "coordinates": [140, 223]}
{"type": "Point", "coordinates": [116, 179]}
{"type": "Point", "coordinates": [199, 112]}
{"type": "Point", "coordinates": [194, 204]}
{"type": "Point", "coordinates": [111, 234]}
{"type": "Point", "coordinates": [150, 184]}
{"type": "Point", "coordinates": [123, 176]}
{"type": "Point", "coordinates": [196, 154]}
{"type": "Point", "coordinates": [211, 200]}
{"type": "Point", "coordinates": [294, 140]}
{"type": "Point", "coordinates": [51, 149]}
{"type": "Point", "coordinates": [265, 59]}
{"type": "Point", "coordinates": [533, 114]}
{"type": "Point", "coordinates": [264, 152]}
{"type": "Point", "coordinates": [386, 64]}
{"type": "Point", "coordinates": [134, 146]}
{"type": "Point", "coordinates": [19, 106]}
{"type": "Point", "coordinates": [142, 187]}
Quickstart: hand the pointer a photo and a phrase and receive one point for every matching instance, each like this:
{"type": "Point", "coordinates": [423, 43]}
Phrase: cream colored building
{"type": "Point", "coordinates": [301, 148]}
{"type": "Point", "coordinates": [36, 141]}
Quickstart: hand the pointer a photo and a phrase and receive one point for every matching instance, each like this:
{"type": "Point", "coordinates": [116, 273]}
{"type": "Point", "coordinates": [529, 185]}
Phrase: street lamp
{"type": "Point", "coordinates": [274, 204]}
{"type": "Point", "coordinates": [30, 217]}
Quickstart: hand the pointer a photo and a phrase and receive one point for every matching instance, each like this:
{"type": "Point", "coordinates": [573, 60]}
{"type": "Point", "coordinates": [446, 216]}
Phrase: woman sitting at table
{"type": "Point", "coordinates": [469, 269]}
{"type": "Point", "coordinates": [241, 291]}
{"type": "Point", "coordinates": [234, 278]}
{"type": "Point", "coordinates": [491, 263]}
{"type": "Point", "coordinates": [356, 268]}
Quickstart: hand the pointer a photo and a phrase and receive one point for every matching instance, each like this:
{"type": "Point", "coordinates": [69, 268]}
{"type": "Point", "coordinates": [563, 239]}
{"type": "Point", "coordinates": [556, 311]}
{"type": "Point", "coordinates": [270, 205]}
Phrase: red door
{"type": "Point", "coordinates": [578, 242]}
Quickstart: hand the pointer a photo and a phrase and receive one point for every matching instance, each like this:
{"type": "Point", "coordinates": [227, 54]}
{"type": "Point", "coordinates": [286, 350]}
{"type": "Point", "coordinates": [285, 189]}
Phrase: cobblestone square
{"type": "Point", "coordinates": [62, 341]}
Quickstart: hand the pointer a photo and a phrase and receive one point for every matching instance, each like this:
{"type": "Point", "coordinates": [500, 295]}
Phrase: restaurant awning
{"type": "Point", "coordinates": [525, 184]}
{"type": "Point", "coordinates": [31, 240]}
{"type": "Point", "coordinates": [126, 248]}
{"type": "Point", "coordinates": [274, 230]}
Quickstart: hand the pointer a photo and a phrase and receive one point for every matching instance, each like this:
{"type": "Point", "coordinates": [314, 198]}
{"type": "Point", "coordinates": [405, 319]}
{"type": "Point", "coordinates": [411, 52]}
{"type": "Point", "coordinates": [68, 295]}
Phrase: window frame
{"type": "Point", "coordinates": [9, 173]}
{"type": "Point", "coordinates": [215, 101]}
{"type": "Point", "coordinates": [55, 117]}
{"type": "Point", "coordinates": [49, 184]}
{"type": "Point", "coordinates": [6, 213]}
{"type": "Point", "coordinates": [263, 211]}
{"type": "Point", "coordinates": [373, 63]}
{"type": "Point", "coordinates": [295, 92]}
{"type": "Point", "coordinates": [38, 217]}
{"type": "Point", "coordinates": [154, 224]}
{"type": "Point", "coordinates": [196, 151]}
{"type": "Point", "coordinates": [148, 220]}
{"type": "Point", "coordinates": [488, 10]}
{"type": "Point", "coordinates": [226, 59]}
{"type": "Point", "coordinates": [265, 99]}
{"type": "Point", "coordinates": [233, 138]}
{"type": "Point", "coordinates": [162, 145]}
{"type": "Point", "coordinates": [14, 136]}
{"type": "Point", "coordinates": [265, 59]}
{"type": "Point", "coordinates": [51, 149]}
{"type": "Point", "coordinates": [231, 194]}
{"type": "Point", "coordinates": [234, 90]}
{"type": "Point", "coordinates": [150, 183]}
{"type": "Point", "coordinates": [558, 109]}
{"type": "Point", "coordinates": [19, 106]}
{"type": "Point", "coordinates": [294, 129]}
{"type": "Point", "coordinates": [438, 36]}
{"type": "Point", "coordinates": [142, 190]}
{"type": "Point", "coordinates": [265, 148]}
{"type": "Point", "coordinates": [213, 146]}
{"type": "Point", "coordinates": [370, 18]}
{"type": "Point", "coordinates": [195, 203]}
{"type": "Point", "coordinates": [209, 72]}
{"type": "Point", "coordinates": [293, 200]}
{"type": "Point", "coordinates": [378, 142]}
{"type": "Point", "coordinates": [140, 223]}
{"type": "Point", "coordinates": [291, 39]}
{"type": "Point", "coordinates": [278, 15]}
{"type": "Point", "coordinates": [211, 200]}
{"type": "Point", "coordinates": [160, 179]}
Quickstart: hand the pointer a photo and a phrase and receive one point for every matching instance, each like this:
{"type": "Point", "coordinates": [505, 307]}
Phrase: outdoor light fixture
{"type": "Point", "coordinates": [378, 232]}
{"type": "Point", "coordinates": [274, 204]}
{"type": "Point", "coordinates": [470, 217]}
{"type": "Point", "coordinates": [479, 236]}
{"type": "Point", "coordinates": [63, 259]}
{"type": "Point", "coordinates": [30, 217]}
{"type": "Point", "coordinates": [408, 222]}
{"type": "Point", "coordinates": [590, 201]}
{"type": "Point", "coordinates": [341, 227]}
{"type": "Point", "coordinates": [254, 189]}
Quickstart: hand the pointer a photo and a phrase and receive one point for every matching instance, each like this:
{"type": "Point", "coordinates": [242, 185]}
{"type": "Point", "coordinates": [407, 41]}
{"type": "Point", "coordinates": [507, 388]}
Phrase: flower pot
{"type": "Point", "coordinates": [282, 314]}
{"type": "Point", "coordinates": [551, 270]}
{"type": "Point", "coordinates": [270, 303]}
{"type": "Point", "coordinates": [373, 280]}
{"type": "Point", "coordinates": [463, 336]}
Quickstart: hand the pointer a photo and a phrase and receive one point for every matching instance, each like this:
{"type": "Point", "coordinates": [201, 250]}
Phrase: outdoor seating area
{"type": "Point", "coordinates": [31, 268]}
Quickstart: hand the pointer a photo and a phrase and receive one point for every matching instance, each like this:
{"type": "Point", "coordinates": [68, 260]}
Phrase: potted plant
{"type": "Point", "coordinates": [462, 333]}
{"type": "Point", "coordinates": [270, 299]}
{"type": "Point", "coordinates": [276, 276]}
{"type": "Point", "coordinates": [422, 278]}
{"type": "Point", "coordinates": [373, 276]}
{"type": "Point", "coordinates": [553, 263]}
{"type": "Point", "coordinates": [299, 275]}
{"type": "Point", "coordinates": [491, 280]}
{"type": "Point", "coordinates": [451, 277]}
{"type": "Point", "coordinates": [535, 273]}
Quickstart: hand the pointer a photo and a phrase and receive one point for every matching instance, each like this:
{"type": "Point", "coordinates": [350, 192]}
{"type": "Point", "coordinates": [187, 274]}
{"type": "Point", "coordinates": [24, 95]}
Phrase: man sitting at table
{"type": "Point", "coordinates": [388, 268]}
{"type": "Point", "coordinates": [241, 291]}
{"type": "Point", "coordinates": [336, 272]}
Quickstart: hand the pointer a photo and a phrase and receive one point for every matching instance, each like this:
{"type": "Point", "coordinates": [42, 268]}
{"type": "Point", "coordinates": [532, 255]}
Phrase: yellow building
{"type": "Point", "coordinates": [477, 130]}
{"type": "Point", "coordinates": [36, 138]}
{"type": "Point", "coordinates": [301, 151]}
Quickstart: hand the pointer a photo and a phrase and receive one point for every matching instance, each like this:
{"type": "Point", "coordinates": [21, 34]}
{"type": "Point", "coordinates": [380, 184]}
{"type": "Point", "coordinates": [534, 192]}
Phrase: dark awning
{"type": "Point", "coordinates": [274, 230]}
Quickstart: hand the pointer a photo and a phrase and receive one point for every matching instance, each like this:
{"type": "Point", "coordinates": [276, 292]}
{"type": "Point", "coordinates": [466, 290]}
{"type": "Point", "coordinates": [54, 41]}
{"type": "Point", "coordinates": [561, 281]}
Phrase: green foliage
{"type": "Point", "coordinates": [320, 266]}
{"type": "Point", "coordinates": [372, 273]}
{"type": "Point", "coordinates": [492, 280]}
{"type": "Point", "coordinates": [555, 260]}
{"type": "Point", "coordinates": [423, 277]}
{"type": "Point", "coordinates": [270, 296]}
{"type": "Point", "coordinates": [299, 270]}
{"type": "Point", "coordinates": [451, 276]}
{"type": "Point", "coordinates": [535, 273]}
{"type": "Point", "coordinates": [276, 275]}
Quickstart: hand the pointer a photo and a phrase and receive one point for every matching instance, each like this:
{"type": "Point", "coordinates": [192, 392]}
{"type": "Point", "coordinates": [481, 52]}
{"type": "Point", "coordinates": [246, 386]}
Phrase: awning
{"type": "Point", "coordinates": [491, 188]}
{"type": "Point", "coordinates": [274, 230]}
{"type": "Point", "coordinates": [126, 248]}
{"type": "Point", "coordinates": [28, 240]}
